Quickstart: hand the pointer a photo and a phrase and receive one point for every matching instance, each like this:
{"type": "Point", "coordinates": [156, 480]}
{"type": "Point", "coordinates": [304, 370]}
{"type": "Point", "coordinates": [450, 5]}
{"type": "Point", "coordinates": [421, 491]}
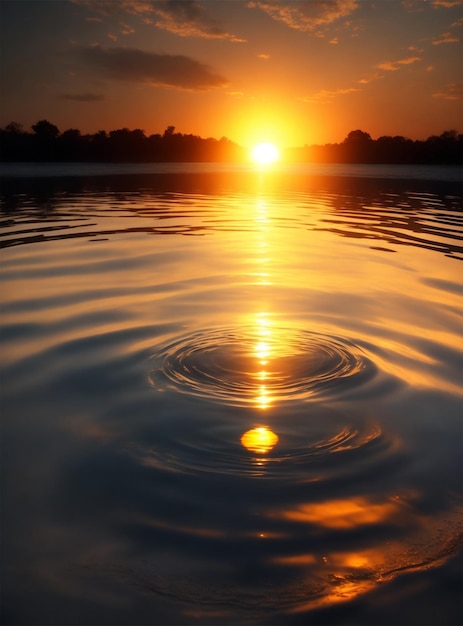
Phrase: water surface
{"type": "Point", "coordinates": [231, 395]}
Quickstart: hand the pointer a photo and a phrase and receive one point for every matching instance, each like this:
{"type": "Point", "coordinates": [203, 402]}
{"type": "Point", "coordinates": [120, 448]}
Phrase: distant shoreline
{"type": "Point", "coordinates": [20, 173]}
{"type": "Point", "coordinates": [46, 144]}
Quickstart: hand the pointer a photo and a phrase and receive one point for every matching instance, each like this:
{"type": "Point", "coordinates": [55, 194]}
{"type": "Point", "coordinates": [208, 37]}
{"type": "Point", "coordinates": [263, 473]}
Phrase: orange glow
{"type": "Point", "coordinates": [342, 513]}
{"type": "Point", "coordinates": [296, 559]}
{"type": "Point", "coordinates": [260, 440]}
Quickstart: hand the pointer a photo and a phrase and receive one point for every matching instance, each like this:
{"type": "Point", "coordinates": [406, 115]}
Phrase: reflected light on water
{"type": "Point", "coordinates": [260, 440]}
{"type": "Point", "coordinates": [342, 514]}
{"type": "Point", "coordinates": [263, 353]}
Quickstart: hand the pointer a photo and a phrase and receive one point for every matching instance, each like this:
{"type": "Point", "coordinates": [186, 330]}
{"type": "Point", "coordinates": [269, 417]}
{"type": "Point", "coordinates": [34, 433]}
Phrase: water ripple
{"type": "Point", "coordinates": [327, 446]}
{"type": "Point", "coordinates": [243, 367]}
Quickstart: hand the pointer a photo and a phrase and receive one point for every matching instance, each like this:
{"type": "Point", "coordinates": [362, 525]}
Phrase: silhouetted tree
{"type": "Point", "coordinates": [127, 145]}
{"type": "Point", "coordinates": [47, 144]}
{"type": "Point", "coordinates": [357, 147]}
{"type": "Point", "coordinates": [99, 146]}
{"type": "Point", "coordinates": [446, 148]}
{"type": "Point", "coordinates": [169, 131]}
{"type": "Point", "coordinates": [44, 128]}
{"type": "Point", "coordinates": [14, 128]}
{"type": "Point", "coordinates": [45, 134]}
{"type": "Point", "coordinates": [71, 145]}
{"type": "Point", "coordinates": [396, 149]}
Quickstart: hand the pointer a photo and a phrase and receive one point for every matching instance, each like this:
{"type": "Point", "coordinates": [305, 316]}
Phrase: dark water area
{"type": "Point", "coordinates": [231, 395]}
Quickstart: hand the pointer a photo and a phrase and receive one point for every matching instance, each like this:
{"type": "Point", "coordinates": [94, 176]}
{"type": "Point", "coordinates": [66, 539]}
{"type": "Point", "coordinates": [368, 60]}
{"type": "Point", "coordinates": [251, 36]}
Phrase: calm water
{"type": "Point", "coordinates": [231, 396]}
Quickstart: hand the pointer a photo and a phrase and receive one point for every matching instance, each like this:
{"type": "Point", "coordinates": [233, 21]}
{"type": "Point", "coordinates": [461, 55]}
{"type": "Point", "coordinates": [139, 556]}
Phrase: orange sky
{"type": "Point", "coordinates": [291, 72]}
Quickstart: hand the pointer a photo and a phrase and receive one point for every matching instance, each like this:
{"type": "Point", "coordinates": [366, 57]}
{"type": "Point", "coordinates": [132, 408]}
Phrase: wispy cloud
{"type": "Point", "coordinates": [453, 91]}
{"type": "Point", "coordinates": [264, 56]}
{"type": "Point", "coordinates": [416, 6]}
{"type": "Point", "coordinates": [186, 18]}
{"type": "Point", "coordinates": [393, 66]}
{"type": "Point", "coordinates": [327, 95]}
{"type": "Point", "coordinates": [164, 70]}
{"type": "Point", "coordinates": [370, 78]}
{"type": "Point", "coordinates": [305, 15]}
{"type": "Point", "coordinates": [446, 4]}
{"type": "Point", "coordinates": [127, 30]}
{"type": "Point", "coordinates": [445, 38]}
{"type": "Point", "coordinates": [83, 97]}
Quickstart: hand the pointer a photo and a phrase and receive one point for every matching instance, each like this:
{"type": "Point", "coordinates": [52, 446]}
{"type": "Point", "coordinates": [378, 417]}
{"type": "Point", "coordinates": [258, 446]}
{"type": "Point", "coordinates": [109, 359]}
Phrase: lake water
{"type": "Point", "coordinates": [231, 395]}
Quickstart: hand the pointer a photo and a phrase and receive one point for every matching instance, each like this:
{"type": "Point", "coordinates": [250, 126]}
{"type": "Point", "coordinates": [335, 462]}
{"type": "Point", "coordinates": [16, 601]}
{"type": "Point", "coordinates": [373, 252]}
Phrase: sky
{"type": "Point", "coordinates": [298, 72]}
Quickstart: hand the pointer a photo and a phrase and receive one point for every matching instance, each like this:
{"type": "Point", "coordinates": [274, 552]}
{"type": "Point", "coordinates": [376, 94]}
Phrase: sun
{"type": "Point", "coordinates": [264, 153]}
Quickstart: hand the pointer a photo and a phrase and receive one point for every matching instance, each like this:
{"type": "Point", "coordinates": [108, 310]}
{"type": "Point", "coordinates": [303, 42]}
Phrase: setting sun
{"type": "Point", "coordinates": [265, 153]}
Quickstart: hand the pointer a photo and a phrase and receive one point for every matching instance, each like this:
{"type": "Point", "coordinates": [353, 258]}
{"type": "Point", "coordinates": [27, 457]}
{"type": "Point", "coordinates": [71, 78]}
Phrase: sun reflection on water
{"type": "Point", "coordinates": [263, 354]}
{"type": "Point", "coordinates": [260, 440]}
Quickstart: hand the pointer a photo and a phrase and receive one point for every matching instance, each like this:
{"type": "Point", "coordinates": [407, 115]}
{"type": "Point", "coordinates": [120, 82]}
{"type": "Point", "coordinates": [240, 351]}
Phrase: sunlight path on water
{"type": "Point", "coordinates": [238, 395]}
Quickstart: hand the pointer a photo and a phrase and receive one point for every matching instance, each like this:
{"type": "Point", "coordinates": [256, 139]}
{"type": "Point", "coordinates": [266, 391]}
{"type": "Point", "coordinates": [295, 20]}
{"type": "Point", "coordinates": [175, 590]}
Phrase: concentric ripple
{"type": "Point", "coordinates": [309, 447]}
{"type": "Point", "coordinates": [244, 367]}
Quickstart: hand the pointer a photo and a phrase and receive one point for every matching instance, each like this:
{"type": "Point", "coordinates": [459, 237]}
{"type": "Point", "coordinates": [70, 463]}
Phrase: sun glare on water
{"type": "Point", "coordinates": [264, 153]}
{"type": "Point", "coordinates": [260, 439]}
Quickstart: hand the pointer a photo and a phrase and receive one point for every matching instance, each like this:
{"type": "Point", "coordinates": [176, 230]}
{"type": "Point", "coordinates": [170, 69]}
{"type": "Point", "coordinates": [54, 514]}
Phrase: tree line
{"type": "Point", "coordinates": [47, 143]}
{"type": "Point", "coordinates": [359, 147]}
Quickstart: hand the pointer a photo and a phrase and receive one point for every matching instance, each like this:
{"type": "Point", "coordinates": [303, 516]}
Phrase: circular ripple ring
{"type": "Point", "coordinates": [240, 367]}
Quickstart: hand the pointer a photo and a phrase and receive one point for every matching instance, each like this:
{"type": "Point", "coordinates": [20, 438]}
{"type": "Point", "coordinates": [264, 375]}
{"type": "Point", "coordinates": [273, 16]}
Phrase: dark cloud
{"type": "Point", "coordinates": [165, 70]}
{"type": "Point", "coordinates": [83, 97]}
{"type": "Point", "coordinates": [186, 18]}
{"type": "Point", "coordinates": [305, 15]}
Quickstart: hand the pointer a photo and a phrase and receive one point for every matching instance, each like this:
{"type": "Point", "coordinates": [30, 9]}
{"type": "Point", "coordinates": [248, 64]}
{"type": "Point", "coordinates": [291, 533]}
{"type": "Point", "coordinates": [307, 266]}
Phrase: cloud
{"type": "Point", "coordinates": [126, 29]}
{"type": "Point", "coordinates": [409, 60]}
{"type": "Point", "coordinates": [414, 6]}
{"type": "Point", "coordinates": [327, 95]}
{"type": "Point", "coordinates": [305, 15]}
{"type": "Point", "coordinates": [83, 97]}
{"type": "Point", "coordinates": [393, 66]}
{"type": "Point", "coordinates": [446, 4]}
{"type": "Point", "coordinates": [164, 70]}
{"type": "Point", "coordinates": [453, 91]}
{"type": "Point", "coordinates": [370, 78]}
{"type": "Point", "coordinates": [445, 38]}
{"type": "Point", "coordinates": [388, 66]}
{"type": "Point", "coordinates": [186, 18]}
{"type": "Point", "coordinates": [263, 56]}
